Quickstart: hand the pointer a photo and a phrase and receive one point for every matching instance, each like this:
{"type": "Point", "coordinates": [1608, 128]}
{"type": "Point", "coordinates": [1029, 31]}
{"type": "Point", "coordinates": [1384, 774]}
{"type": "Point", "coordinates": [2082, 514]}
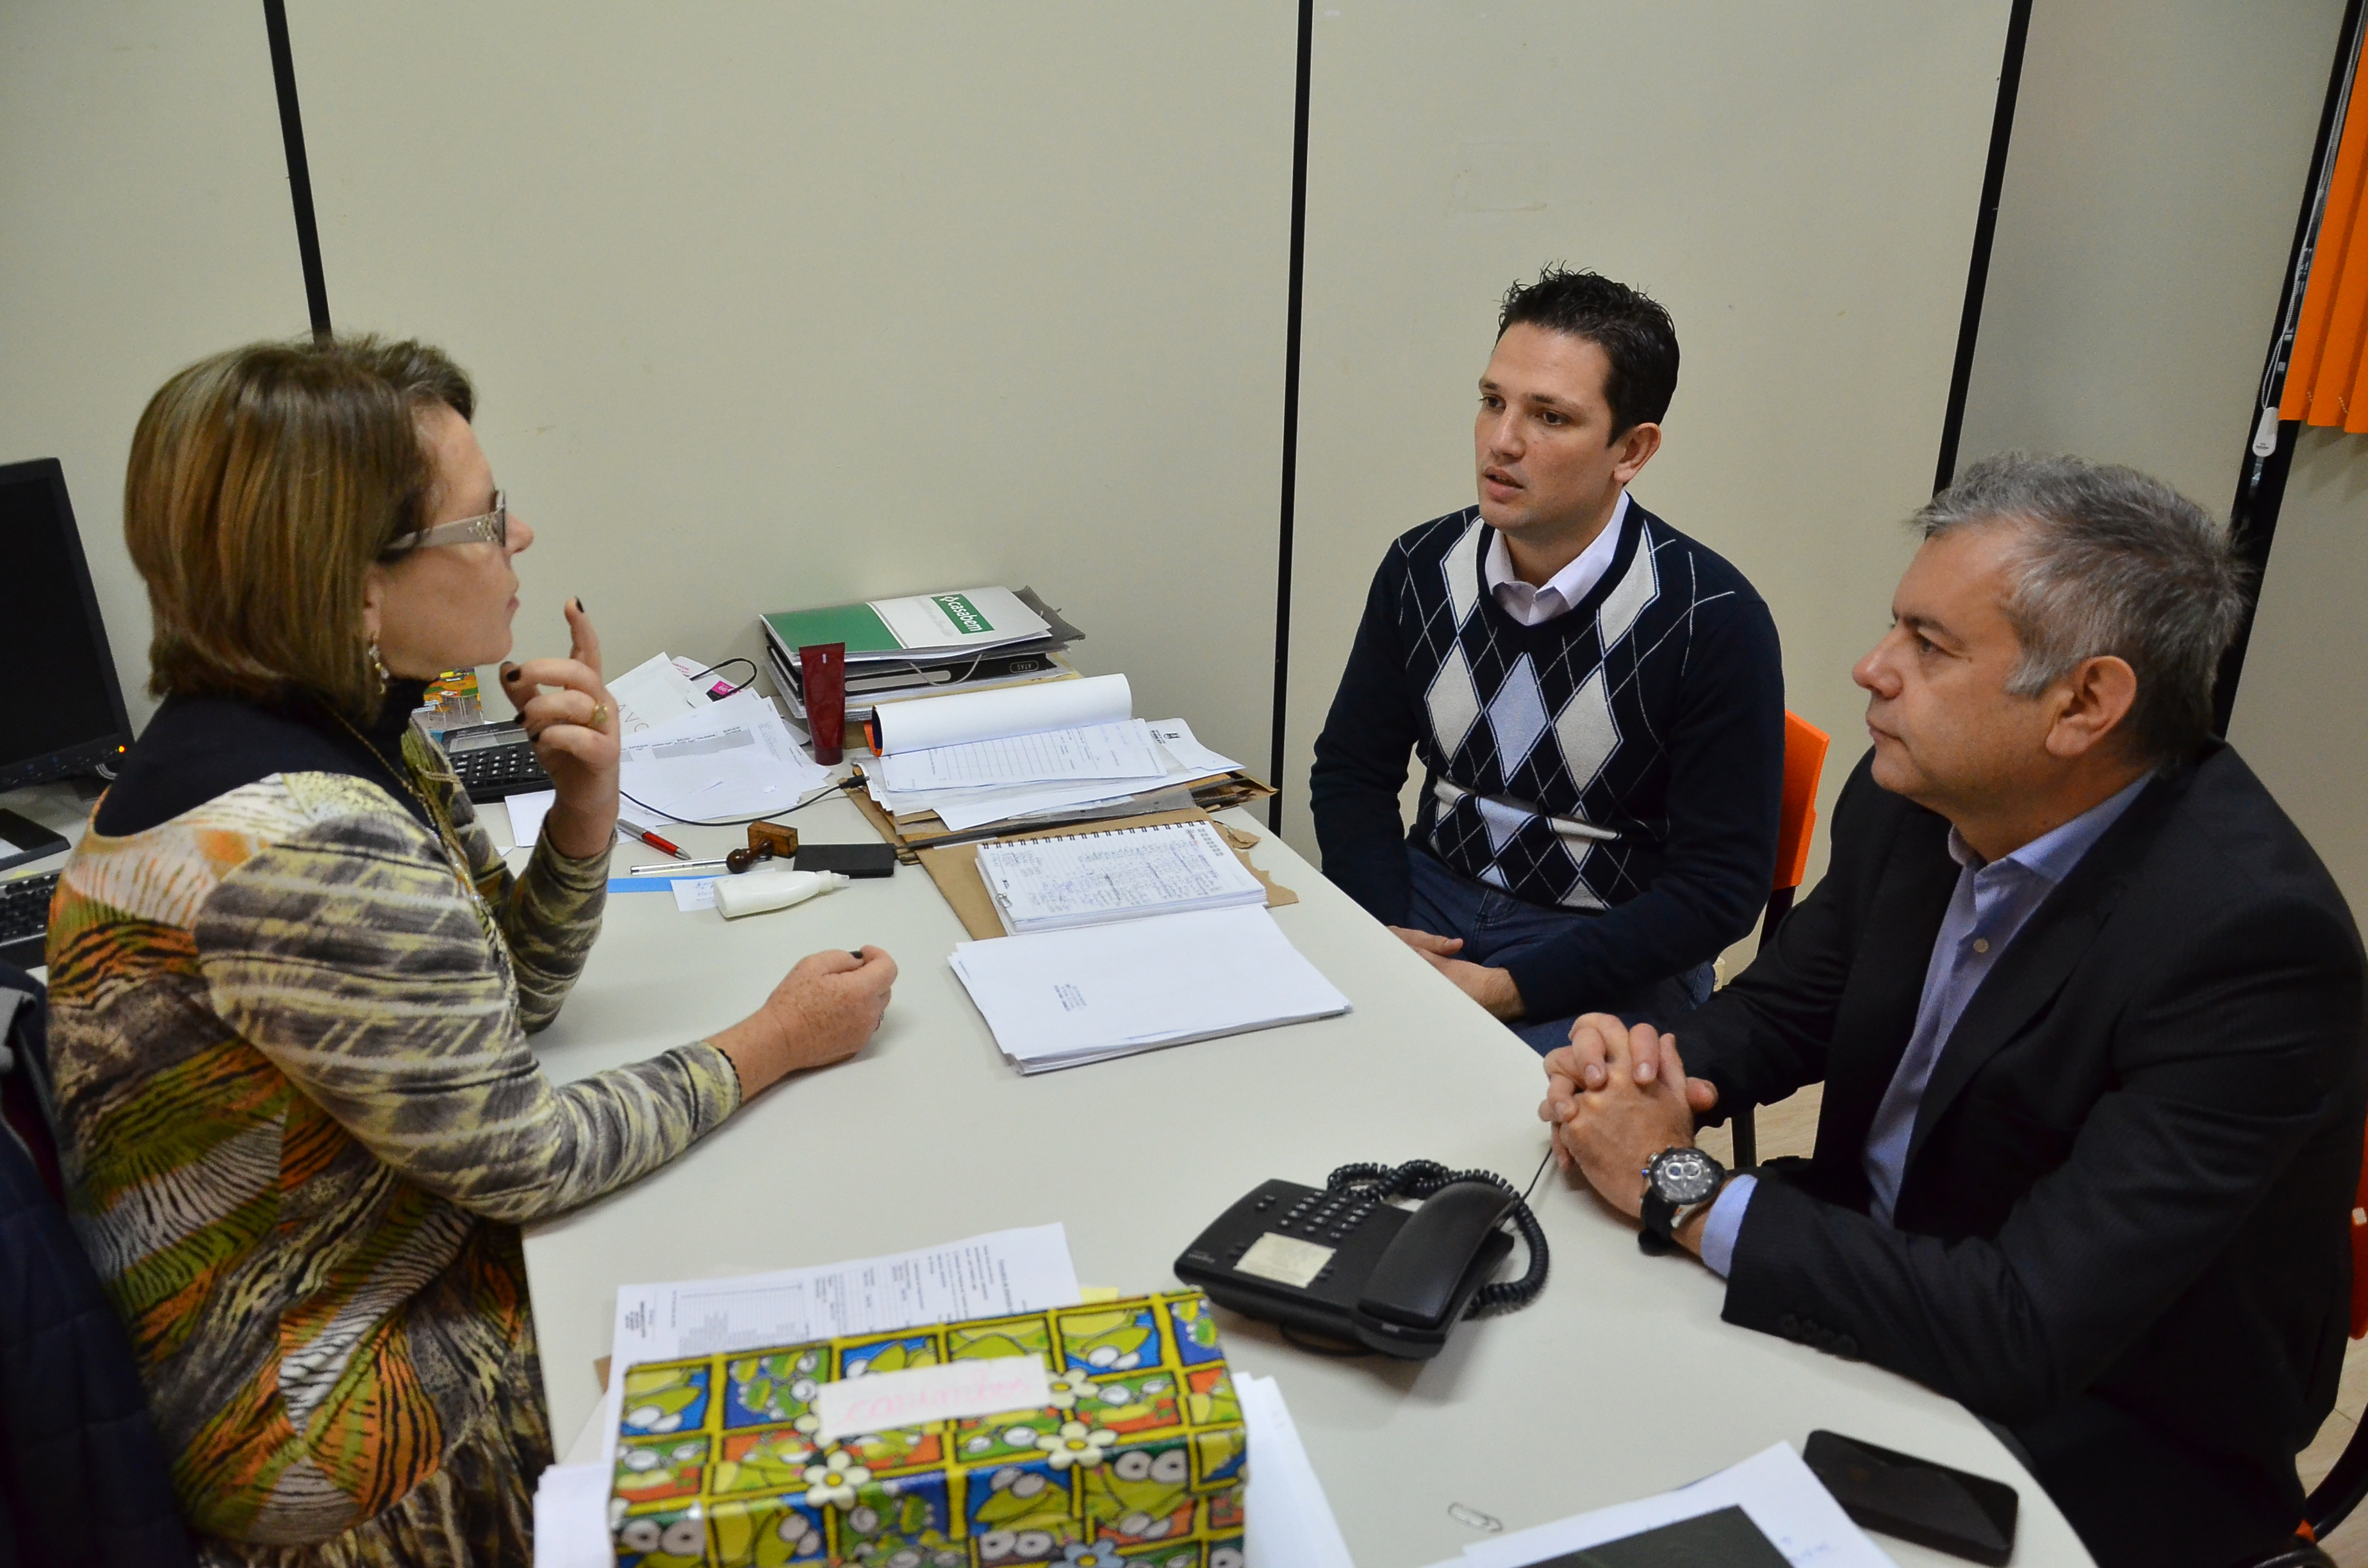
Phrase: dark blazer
{"type": "Point", "coordinates": [2122, 1231]}
{"type": "Point", "coordinates": [82, 1478]}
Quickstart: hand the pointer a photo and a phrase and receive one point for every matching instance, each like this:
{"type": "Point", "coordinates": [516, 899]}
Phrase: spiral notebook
{"type": "Point", "coordinates": [1093, 878]}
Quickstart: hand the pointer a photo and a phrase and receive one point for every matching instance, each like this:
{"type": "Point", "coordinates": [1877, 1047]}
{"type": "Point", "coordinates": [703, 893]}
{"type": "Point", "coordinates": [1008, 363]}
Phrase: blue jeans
{"type": "Point", "coordinates": [1497, 927]}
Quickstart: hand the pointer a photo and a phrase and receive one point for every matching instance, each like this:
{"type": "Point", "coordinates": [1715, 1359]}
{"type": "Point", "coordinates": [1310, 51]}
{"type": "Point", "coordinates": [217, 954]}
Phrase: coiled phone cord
{"type": "Point", "coordinates": [1420, 1178]}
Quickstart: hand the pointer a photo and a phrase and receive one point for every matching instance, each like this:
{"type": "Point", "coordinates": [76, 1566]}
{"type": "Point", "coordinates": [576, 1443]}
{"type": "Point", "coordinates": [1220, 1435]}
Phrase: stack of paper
{"type": "Point", "coordinates": [1055, 884]}
{"type": "Point", "coordinates": [1778, 1495]}
{"type": "Point", "coordinates": [732, 758]}
{"type": "Point", "coordinates": [1071, 751]}
{"type": "Point", "coordinates": [973, 640]}
{"type": "Point", "coordinates": [715, 762]}
{"type": "Point", "coordinates": [996, 1274]}
{"type": "Point", "coordinates": [1066, 998]}
{"type": "Point", "coordinates": [1287, 1519]}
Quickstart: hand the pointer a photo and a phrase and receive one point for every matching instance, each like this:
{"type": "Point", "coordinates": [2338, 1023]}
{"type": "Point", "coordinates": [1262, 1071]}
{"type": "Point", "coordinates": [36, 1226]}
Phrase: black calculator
{"type": "Point", "coordinates": [494, 761]}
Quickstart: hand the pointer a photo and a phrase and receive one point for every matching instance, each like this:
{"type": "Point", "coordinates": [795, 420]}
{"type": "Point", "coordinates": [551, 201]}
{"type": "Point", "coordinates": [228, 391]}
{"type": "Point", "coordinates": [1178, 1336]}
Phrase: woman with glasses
{"type": "Point", "coordinates": [291, 980]}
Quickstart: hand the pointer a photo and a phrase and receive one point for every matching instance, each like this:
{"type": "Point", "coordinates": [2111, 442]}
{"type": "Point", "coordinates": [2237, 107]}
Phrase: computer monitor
{"type": "Point", "coordinates": [61, 706]}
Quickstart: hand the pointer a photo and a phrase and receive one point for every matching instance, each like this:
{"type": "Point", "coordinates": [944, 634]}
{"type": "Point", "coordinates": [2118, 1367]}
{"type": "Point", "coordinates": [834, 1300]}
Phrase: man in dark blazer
{"type": "Point", "coordinates": [2088, 1014]}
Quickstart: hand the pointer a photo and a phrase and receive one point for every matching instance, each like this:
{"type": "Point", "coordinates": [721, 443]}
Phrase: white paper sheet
{"type": "Point", "coordinates": [1122, 750]}
{"type": "Point", "coordinates": [570, 1517]}
{"type": "Point", "coordinates": [1788, 1503]}
{"type": "Point", "coordinates": [732, 758]}
{"type": "Point", "coordinates": [920, 722]}
{"type": "Point", "coordinates": [963, 809]}
{"type": "Point", "coordinates": [928, 623]}
{"type": "Point", "coordinates": [1191, 758]}
{"type": "Point", "coordinates": [1064, 998]}
{"type": "Point", "coordinates": [694, 892]}
{"type": "Point", "coordinates": [1287, 1520]}
{"type": "Point", "coordinates": [1004, 1271]}
{"type": "Point", "coordinates": [651, 693]}
{"type": "Point", "coordinates": [970, 809]}
{"type": "Point", "coordinates": [527, 812]}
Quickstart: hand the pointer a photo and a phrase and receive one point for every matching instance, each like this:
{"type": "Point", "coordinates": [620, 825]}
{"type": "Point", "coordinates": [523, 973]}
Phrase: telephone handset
{"type": "Point", "coordinates": [1345, 1262]}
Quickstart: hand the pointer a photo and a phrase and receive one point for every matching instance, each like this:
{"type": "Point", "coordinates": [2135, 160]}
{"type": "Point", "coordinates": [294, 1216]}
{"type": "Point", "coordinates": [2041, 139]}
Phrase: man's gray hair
{"type": "Point", "coordinates": [2108, 561]}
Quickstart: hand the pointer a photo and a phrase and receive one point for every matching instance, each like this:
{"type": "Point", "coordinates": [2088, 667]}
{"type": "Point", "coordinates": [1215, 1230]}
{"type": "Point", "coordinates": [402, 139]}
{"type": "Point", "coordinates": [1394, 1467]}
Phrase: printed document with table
{"type": "Point", "coordinates": [1052, 884]}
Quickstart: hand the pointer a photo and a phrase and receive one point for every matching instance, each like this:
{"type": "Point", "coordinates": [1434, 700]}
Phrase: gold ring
{"type": "Point", "coordinates": [600, 714]}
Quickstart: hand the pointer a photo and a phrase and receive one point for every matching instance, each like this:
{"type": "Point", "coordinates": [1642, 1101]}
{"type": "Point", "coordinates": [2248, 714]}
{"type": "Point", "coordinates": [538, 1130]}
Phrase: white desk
{"type": "Point", "coordinates": [1618, 1382]}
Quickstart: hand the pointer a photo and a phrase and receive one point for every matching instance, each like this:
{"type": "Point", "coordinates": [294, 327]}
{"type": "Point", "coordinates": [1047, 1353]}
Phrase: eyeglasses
{"type": "Point", "coordinates": [489, 527]}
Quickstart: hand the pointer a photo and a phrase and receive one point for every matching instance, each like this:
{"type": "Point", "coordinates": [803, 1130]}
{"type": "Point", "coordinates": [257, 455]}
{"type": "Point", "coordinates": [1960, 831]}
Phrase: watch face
{"type": "Point", "coordinates": [1685, 1175]}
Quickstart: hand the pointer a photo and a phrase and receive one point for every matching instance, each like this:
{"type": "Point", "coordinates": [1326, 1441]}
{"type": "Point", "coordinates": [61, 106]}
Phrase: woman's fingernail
{"type": "Point", "coordinates": [579, 604]}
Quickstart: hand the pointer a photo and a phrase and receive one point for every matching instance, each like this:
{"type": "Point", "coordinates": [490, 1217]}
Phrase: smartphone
{"type": "Point", "coordinates": [1899, 1494]}
{"type": "Point", "coordinates": [847, 859]}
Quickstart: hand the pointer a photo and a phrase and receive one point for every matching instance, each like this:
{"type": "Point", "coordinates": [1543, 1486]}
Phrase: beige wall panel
{"type": "Point", "coordinates": [2160, 151]}
{"type": "Point", "coordinates": [1797, 184]}
{"type": "Point", "coordinates": [2298, 709]}
{"type": "Point", "coordinates": [149, 224]}
{"type": "Point", "coordinates": [788, 304]}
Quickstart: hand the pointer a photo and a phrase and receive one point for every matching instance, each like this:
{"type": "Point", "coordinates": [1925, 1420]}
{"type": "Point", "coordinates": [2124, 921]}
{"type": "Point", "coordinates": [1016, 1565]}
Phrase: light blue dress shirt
{"type": "Point", "coordinates": [1993, 902]}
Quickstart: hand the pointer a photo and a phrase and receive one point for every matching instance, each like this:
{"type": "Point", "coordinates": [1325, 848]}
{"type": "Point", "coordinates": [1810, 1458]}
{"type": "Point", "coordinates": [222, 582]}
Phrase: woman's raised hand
{"type": "Point", "coordinates": [572, 720]}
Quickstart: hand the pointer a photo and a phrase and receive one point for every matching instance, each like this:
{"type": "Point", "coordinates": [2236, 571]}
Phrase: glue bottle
{"type": "Point", "coordinates": [761, 891]}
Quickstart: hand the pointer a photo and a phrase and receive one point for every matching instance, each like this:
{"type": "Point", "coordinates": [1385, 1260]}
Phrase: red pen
{"type": "Point", "coordinates": [655, 841]}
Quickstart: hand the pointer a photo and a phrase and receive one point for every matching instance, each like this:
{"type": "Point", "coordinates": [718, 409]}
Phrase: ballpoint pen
{"type": "Point", "coordinates": [653, 840]}
{"type": "Point", "coordinates": [663, 869]}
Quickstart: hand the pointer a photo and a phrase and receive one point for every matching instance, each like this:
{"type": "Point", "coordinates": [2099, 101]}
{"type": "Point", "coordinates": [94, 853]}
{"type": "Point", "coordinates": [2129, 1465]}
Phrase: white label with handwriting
{"type": "Point", "coordinates": [879, 1402]}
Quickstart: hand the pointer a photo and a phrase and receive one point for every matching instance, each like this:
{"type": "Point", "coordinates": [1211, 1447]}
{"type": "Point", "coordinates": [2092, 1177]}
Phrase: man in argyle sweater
{"type": "Point", "coordinates": [1598, 700]}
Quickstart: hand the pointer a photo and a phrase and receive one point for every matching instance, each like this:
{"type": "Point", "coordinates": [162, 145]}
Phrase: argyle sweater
{"type": "Point", "coordinates": [1624, 758]}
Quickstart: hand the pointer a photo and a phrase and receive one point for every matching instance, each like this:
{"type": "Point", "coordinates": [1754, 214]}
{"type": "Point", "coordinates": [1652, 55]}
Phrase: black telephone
{"type": "Point", "coordinates": [1345, 1263]}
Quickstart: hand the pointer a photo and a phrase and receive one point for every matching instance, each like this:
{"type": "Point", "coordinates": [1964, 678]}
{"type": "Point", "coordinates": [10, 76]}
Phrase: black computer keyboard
{"type": "Point", "coordinates": [25, 918]}
{"type": "Point", "coordinates": [494, 761]}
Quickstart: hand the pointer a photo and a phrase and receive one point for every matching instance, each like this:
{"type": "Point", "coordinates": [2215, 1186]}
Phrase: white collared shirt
{"type": "Point", "coordinates": [1536, 607]}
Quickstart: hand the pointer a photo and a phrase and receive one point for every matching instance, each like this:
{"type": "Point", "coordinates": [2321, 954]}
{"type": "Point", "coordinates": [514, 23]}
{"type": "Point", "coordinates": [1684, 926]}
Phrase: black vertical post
{"type": "Point", "coordinates": [1978, 278]}
{"type": "Point", "coordinates": [1291, 412]}
{"type": "Point", "coordinates": [2261, 480]}
{"type": "Point", "coordinates": [300, 173]}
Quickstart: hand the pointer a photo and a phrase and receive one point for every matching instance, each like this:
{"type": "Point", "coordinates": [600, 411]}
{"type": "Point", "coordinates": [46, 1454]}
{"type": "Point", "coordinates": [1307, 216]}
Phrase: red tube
{"type": "Point", "coordinates": [823, 669]}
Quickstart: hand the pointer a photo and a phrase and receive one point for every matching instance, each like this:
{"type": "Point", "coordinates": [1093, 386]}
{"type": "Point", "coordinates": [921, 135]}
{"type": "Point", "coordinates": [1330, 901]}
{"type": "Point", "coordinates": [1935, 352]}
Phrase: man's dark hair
{"type": "Point", "coordinates": [1635, 333]}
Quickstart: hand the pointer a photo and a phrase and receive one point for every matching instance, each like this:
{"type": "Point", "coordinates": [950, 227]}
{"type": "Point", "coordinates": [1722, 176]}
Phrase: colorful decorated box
{"type": "Point", "coordinates": [1139, 1460]}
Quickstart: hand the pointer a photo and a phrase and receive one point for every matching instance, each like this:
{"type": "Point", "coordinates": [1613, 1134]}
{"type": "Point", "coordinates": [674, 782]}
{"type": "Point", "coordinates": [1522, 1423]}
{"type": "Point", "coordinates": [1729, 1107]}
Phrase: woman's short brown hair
{"type": "Point", "coordinates": [263, 483]}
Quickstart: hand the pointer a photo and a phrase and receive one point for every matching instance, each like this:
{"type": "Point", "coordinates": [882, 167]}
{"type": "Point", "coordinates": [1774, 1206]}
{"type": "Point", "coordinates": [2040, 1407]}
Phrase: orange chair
{"type": "Point", "coordinates": [1804, 764]}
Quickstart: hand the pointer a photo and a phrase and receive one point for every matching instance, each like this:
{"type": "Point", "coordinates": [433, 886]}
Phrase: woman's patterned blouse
{"type": "Point", "coordinates": [300, 1124]}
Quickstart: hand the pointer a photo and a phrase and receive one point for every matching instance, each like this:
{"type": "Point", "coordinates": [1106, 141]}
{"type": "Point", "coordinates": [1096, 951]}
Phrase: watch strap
{"type": "Point", "coordinates": [1660, 1216]}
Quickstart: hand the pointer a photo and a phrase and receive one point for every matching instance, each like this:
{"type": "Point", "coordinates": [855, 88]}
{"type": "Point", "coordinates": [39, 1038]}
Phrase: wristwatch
{"type": "Point", "coordinates": [1675, 1179]}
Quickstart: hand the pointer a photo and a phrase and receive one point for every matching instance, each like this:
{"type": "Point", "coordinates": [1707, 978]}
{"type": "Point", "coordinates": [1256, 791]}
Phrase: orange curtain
{"type": "Point", "coordinates": [2327, 379]}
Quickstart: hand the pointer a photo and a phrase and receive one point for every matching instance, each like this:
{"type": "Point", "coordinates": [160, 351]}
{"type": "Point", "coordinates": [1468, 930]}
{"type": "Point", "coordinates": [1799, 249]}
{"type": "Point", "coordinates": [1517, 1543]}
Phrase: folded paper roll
{"type": "Point", "coordinates": [760, 891]}
{"type": "Point", "coordinates": [922, 723]}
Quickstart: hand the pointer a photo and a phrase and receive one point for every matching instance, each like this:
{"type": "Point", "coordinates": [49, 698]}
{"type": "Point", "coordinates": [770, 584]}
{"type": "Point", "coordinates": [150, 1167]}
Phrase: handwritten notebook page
{"type": "Point", "coordinates": [1052, 884]}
